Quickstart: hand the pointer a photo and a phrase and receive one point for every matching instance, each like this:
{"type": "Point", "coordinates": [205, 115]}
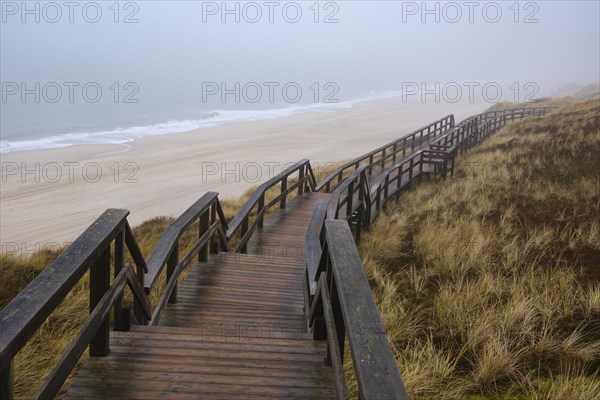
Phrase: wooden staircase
{"type": "Point", "coordinates": [238, 329]}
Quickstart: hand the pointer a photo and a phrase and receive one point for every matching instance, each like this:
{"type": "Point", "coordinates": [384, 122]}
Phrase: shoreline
{"type": "Point", "coordinates": [63, 190]}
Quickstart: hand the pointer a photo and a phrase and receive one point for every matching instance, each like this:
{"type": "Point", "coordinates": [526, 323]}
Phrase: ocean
{"type": "Point", "coordinates": [30, 125]}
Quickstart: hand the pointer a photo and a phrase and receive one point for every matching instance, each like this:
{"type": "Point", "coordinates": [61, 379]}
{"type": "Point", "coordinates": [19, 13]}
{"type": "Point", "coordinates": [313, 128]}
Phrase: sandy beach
{"type": "Point", "coordinates": [62, 191]}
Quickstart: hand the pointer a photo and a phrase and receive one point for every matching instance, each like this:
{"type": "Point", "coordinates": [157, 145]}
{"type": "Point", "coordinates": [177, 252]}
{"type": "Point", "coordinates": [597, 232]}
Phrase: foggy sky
{"type": "Point", "coordinates": [170, 51]}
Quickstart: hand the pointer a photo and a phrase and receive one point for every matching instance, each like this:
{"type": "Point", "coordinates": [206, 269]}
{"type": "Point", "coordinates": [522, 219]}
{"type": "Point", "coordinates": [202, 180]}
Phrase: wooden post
{"type": "Point", "coordinates": [349, 199]}
{"type": "Point", "coordinates": [386, 187]}
{"type": "Point", "coordinates": [214, 243]}
{"type": "Point", "coordinates": [370, 164]}
{"type": "Point", "coordinates": [99, 284]}
{"type": "Point", "coordinates": [420, 167]}
{"type": "Point", "coordinates": [359, 218]}
{"type": "Point", "coordinates": [383, 159]}
{"type": "Point", "coordinates": [244, 248]}
{"type": "Point", "coordinates": [138, 309]}
{"type": "Point", "coordinates": [7, 382]}
{"type": "Point", "coordinates": [171, 264]}
{"type": "Point", "coordinates": [404, 147]}
{"type": "Point", "coordinates": [283, 189]}
{"type": "Point", "coordinates": [337, 314]}
{"type": "Point", "coordinates": [118, 266]}
{"type": "Point", "coordinates": [394, 150]}
{"type": "Point", "coordinates": [203, 227]}
{"type": "Point", "coordinates": [301, 181]}
{"type": "Point", "coordinates": [362, 181]}
{"type": "Point", "coordinates": [261, 205]}
{"type": "Point", "coordinates": [365, 199]}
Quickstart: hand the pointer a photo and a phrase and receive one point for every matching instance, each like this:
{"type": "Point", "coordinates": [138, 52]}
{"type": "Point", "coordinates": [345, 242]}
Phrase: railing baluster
{"type": "Point", "coordinates": [337, 316]}
{"type": "Point", "coordinates": [349, 199]}
{"type": "Point", "coordinates": [99, 284]}
{"type": "Point", "coordinates": [283, 189]}
{"type": "Point", "coordinates": [119, 262]}
{"type": "Point", "coordinates": [203, 227]}
{"type": "Point", "coordinates": [261, 218]}
{"type": "Point", "coordinates": [171, 264]}
{"type": "Point", "coordinates": [7, 382]}
{"type": "Point", "coordinates": [214, 243]}
{"type": "Point", "coordinates": [243, 232]}
{"type": "Point", "coordinates": [301, 180]}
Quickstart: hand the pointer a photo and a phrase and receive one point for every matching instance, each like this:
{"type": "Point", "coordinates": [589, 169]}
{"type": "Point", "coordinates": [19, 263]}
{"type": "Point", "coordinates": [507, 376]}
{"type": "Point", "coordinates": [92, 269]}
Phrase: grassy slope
{"type": "Point", "coordinates": [488, 283]}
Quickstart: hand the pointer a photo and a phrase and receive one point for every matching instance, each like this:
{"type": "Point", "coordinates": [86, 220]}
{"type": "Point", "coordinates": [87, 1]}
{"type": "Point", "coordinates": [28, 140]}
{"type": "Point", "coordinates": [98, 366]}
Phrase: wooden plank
{"type": "Point", "coordinates": [173, 389]}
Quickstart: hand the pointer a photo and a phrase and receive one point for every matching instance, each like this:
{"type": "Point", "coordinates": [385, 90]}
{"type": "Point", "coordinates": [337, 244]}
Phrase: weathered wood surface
{"type": "Point", "coordinates": [374, 362]}
{"type": "Point", "coordinates": [238, 329]}
{"type": "Point", "coordinates": [21, 317]}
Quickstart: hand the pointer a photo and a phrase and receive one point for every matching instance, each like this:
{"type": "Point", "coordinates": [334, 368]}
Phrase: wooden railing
{"type": "Point", "coordinates": [514, 113]}
{"type": "Point", "coordinates": [432, 133]}
{"type": "Point", "coordinates": [22, 317]}
{"type": "Point", "coordinates": [211, 221]}
{"type": "Point", "coordinates": [439, 157]}
{"type": "Point", "coordinates": [378, 158]}
{"type": "Point", "coordinates": [338, 300]}
{"type": "Point", "coordinates": [341, 306]}
{"type": "Point", "coordinates": [353, 198]}
{"type": "Point", "coordinates": [304, 182]}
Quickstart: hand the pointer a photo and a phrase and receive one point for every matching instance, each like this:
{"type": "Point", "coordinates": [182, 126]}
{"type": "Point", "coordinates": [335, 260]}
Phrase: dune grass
{"type": "Point", "coordinates": [488, 283]}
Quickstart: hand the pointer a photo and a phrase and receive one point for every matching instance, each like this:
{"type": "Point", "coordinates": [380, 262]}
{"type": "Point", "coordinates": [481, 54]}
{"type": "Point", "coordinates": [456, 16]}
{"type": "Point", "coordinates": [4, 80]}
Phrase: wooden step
{"type": "Point", "coordinates": [170, 362]}
{"type": "Point", "coordinates": [238, 330]}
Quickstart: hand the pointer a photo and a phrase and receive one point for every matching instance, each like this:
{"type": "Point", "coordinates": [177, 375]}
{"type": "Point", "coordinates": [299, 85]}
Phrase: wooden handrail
{"type": "Point", "coordinates": [207, 211]}
{"type": "Point", "coordinates": [450, 129]}
{"type": "Point", "coordinates": [21, 318]}
{"type": "Point", "coordinates": [390, 150]}
{"type": "Point", "coordinates": [313, 240]}
{"type": "Point", "coordinates": [240, 222]}
{"type": "Point", "coordinates": [343, 307]}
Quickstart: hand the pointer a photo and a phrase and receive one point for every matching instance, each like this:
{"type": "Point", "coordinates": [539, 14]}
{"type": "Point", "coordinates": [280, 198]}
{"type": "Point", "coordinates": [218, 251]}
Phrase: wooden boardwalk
{"type": "Point", "coordinates": [269, 318]}
{"type": "Point", "coordinates": [238, 329]}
